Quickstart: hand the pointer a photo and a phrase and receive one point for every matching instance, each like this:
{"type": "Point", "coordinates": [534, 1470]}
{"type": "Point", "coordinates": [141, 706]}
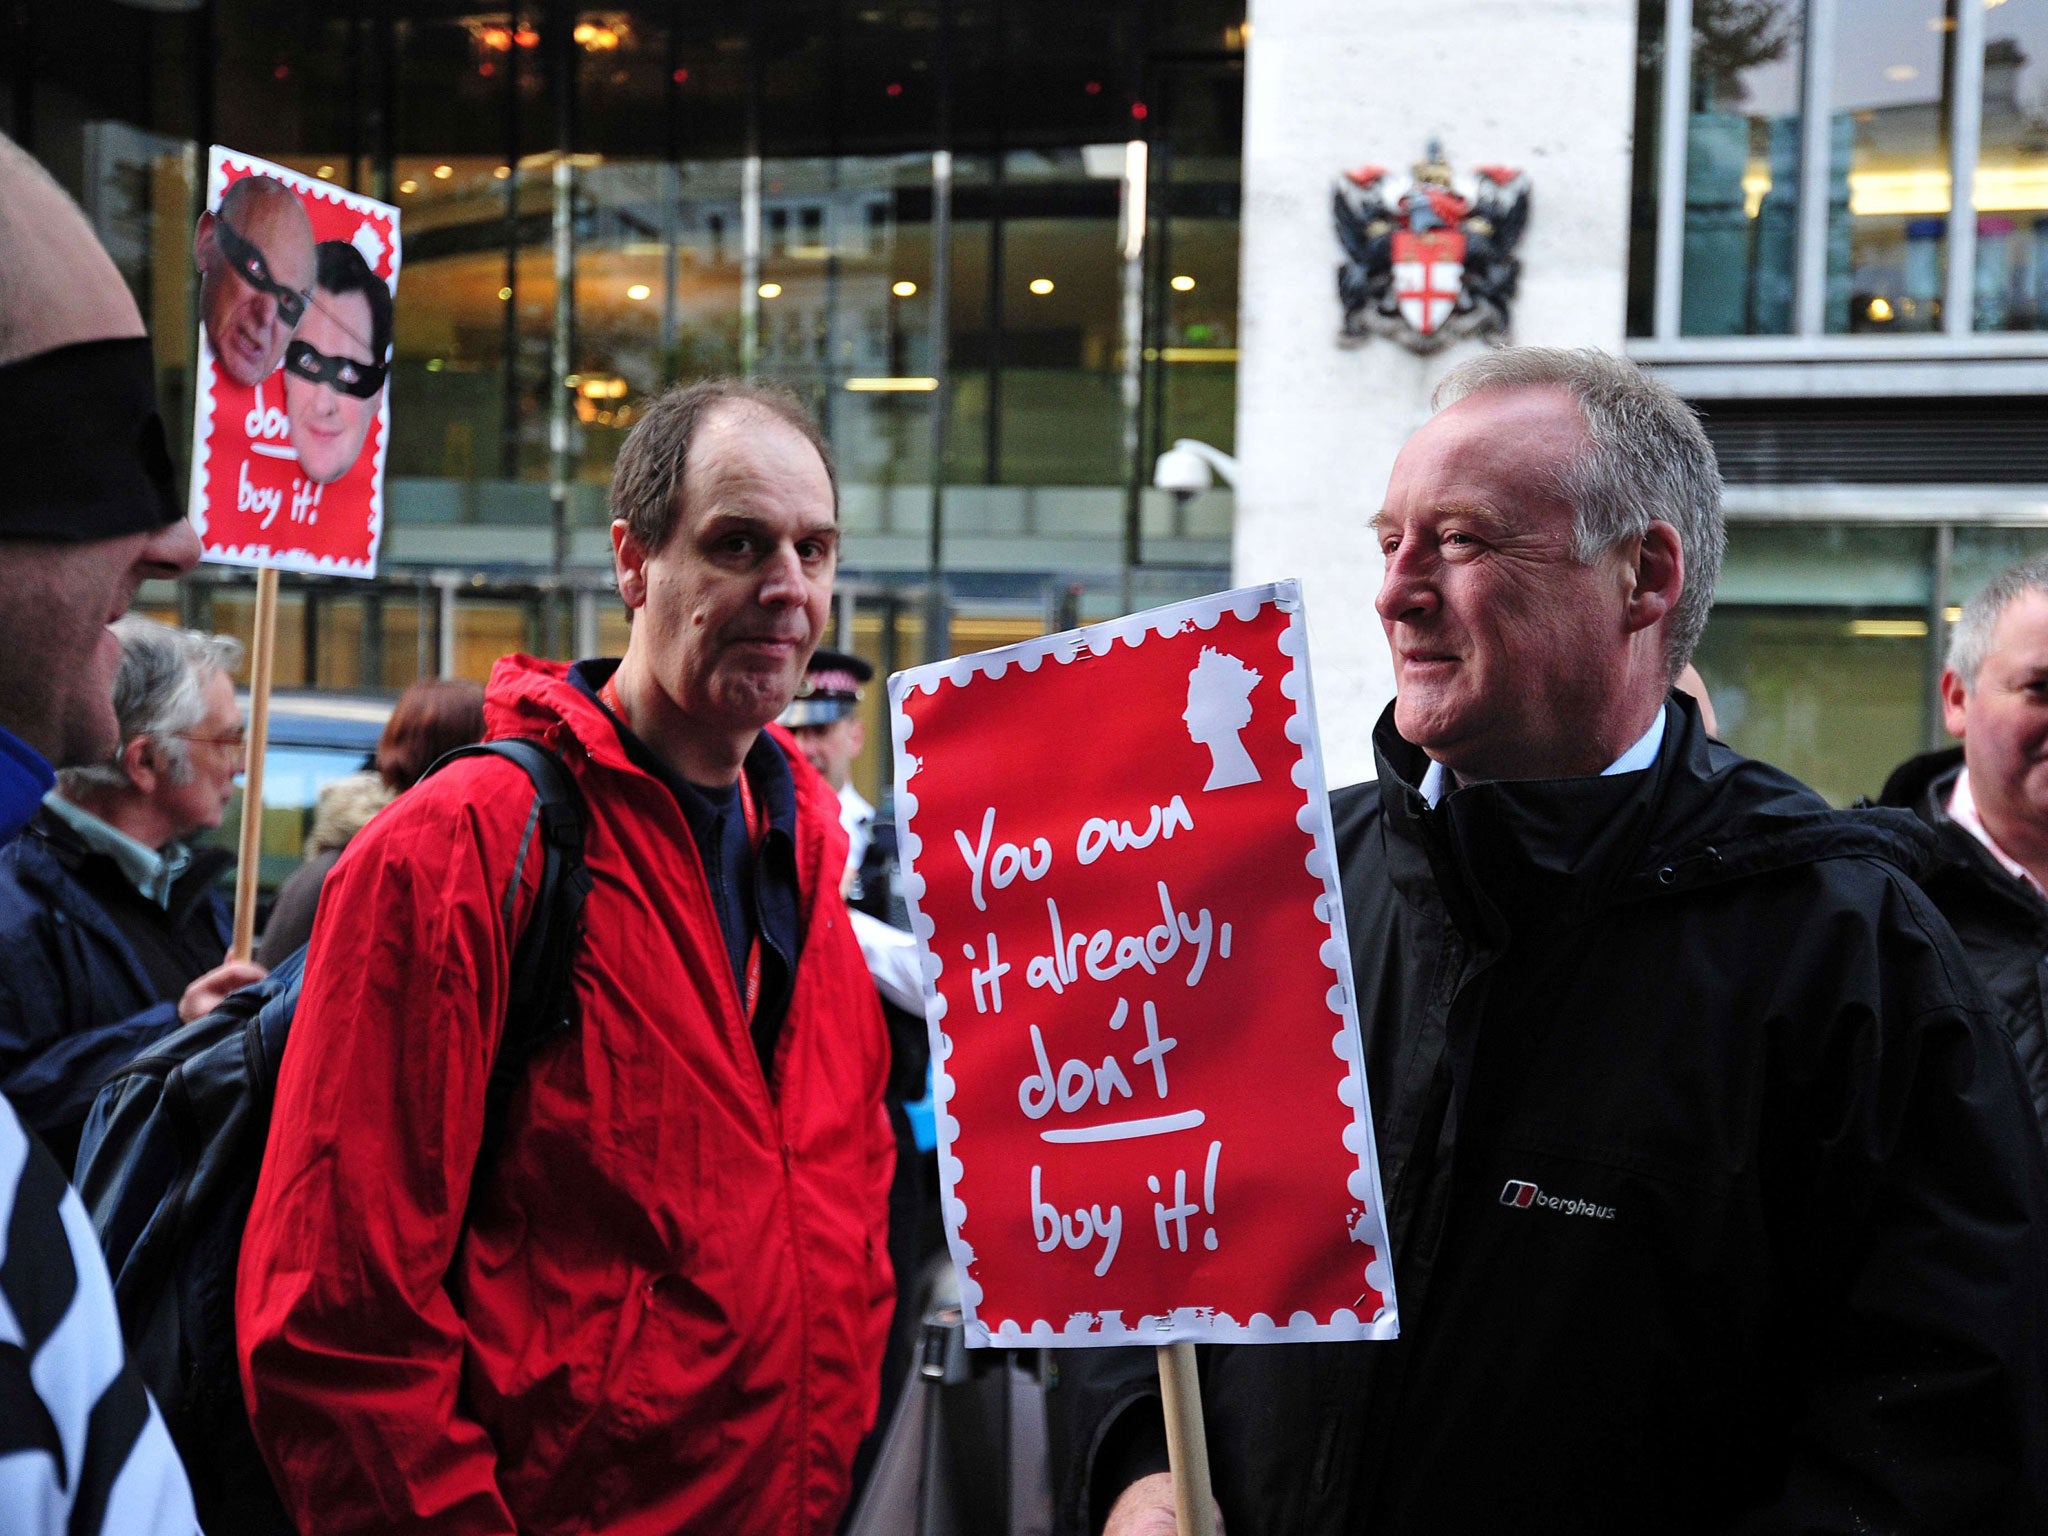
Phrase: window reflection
{"type": "Point", "coordinates": [1742, 168]}
{"type": "Point", "coordinates": [2011, 190]}
{"type": "Point", "coordinates": [1888, 197]}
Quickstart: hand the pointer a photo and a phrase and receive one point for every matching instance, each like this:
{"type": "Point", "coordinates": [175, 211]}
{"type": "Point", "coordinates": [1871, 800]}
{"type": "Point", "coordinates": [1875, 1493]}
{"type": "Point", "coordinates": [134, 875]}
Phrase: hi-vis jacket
{"type": "Point", "coordinates": [668, 1314]}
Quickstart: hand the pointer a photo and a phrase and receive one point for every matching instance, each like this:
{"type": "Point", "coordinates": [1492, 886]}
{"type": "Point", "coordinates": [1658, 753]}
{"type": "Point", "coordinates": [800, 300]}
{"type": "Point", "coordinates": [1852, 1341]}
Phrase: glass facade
{"type": "Point", "coordinates": [1893, 104]}
{"type": "Point", "coordinates": [1742, 169]}
{"type": "Point", "coordinates": [2011, 185]}
{"type": "Point", "coordinates": [1889, 101]}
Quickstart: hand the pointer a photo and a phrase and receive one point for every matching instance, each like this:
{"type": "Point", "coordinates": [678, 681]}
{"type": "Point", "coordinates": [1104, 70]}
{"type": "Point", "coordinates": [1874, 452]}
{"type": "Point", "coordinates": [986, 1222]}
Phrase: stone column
{"type": "Point", "coordinates": [1548, 88]}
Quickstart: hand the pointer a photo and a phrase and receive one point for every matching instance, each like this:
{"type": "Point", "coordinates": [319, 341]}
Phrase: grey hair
{"type": "Point", "coordinates": [159, 691]}
{"type": "Point", "coordinates": [1646, 460]}
{"type": "Point", "coordinates": [1970, 642]}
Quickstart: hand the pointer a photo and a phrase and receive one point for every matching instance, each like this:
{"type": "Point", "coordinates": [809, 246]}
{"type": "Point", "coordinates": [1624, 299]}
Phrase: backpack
{"type": "Point", "coordinates": [171, 1152]}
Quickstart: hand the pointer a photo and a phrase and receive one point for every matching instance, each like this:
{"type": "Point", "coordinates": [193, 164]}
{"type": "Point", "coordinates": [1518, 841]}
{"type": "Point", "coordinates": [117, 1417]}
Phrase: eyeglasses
{"type": "Point", "coordinates": [252, 268]}
{"type": "Point", "coordinates": [239, 741]}
{"type": "Point", "coordinates": [362, 380]}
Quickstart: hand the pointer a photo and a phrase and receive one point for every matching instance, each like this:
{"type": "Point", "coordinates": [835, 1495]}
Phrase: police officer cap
{"type": "Point", "coordinates": [830, 690]}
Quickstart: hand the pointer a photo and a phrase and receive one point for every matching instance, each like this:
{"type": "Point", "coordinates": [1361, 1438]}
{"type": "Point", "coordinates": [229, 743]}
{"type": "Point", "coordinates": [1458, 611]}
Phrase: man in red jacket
{"type": "Point", "coordinates": [665, 1308]}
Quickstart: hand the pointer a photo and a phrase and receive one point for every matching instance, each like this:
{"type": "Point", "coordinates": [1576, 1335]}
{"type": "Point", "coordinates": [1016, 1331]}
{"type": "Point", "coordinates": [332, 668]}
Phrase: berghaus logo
{"type": "Point", "coordinates": [1523, 1196]}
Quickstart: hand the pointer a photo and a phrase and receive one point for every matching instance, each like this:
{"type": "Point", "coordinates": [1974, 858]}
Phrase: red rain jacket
{"type": "Point", "coordinates": [669, 1313]}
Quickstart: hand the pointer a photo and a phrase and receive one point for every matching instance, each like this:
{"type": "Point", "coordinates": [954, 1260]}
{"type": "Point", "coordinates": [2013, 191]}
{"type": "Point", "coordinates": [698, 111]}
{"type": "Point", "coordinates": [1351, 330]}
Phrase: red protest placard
{"type": "Point", "coordinates": [1152, 1116]}
{"type": "Point", "coordinates": [291, 418]}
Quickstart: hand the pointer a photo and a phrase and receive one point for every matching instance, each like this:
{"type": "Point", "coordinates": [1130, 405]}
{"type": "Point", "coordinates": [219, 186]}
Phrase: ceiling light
{"type": "Point", "coordinates": [443, 172]}
{"type": "Point", "coordinates": [325, 172]}
{"type": "Point", "coordinates": [770, 290]}
{"type": "Point", "coordinates": [408, 186]}
{"type": "Point", "coordinates": [1041, 286]}
{"type": "Point", "coordinates": [1880, 308]}
{"type": "Point", "coordinates": [503, 173]}
{"type": "Point", "coordinates": [1182, 284]}
{"type": "Point", "coordinates": [903, 289]}
{"type": "Point", "coordinates": [638, 291]}
{"type": "Point", "coordinates": [504, 294]}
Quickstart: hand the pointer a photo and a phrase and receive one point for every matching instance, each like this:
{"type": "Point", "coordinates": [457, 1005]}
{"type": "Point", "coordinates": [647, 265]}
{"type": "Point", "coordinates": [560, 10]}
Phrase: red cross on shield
{"type": "Point", "coordinates": [1429, 271]}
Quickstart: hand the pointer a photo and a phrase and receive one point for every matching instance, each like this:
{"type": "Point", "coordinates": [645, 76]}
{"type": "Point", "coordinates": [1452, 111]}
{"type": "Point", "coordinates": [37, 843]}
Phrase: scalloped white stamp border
{"type": "Point", "coordinates": [218, 159]}
{"type": "Point", "coordinates": [1107, 1329]}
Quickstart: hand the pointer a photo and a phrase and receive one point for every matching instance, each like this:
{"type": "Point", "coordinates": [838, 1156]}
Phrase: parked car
{"type": "Point", "coordinates": [314, 738]}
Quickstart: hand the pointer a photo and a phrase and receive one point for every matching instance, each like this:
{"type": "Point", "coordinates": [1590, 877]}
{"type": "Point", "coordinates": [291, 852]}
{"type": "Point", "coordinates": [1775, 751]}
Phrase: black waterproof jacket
{"type": "Point", "coordinates": [1788, 1267]}
{"type": "Point", "coordinates": [2002, 921]}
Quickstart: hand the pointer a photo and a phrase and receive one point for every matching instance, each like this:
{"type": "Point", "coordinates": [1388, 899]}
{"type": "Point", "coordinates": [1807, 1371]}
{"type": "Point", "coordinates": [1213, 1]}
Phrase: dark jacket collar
{"type": "Point", "coordinates": [1533, 853]}
{"type": "Point", "coordinates": [766, 766]}
{"type": "Point", "coordinates": [100, 873]}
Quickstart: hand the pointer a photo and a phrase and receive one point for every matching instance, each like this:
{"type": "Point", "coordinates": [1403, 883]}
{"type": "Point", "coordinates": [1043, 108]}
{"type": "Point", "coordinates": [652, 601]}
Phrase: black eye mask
{"type": "Point", "coordinates": [251, 267]}
{"type": "Point", "coordinates": [84, 445]}
{"type": "Point", "coordinates": [362, 380]}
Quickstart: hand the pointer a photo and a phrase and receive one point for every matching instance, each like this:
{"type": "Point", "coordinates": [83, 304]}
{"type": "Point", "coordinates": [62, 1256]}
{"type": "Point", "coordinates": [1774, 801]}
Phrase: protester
{"type": "Point", "coordinates": [113, 926]}
{"type": "Point", "coordinates": [334, 364]}
{"type": "Point", "coordinates": [432, 717]}
{"type": "Point", "coordinates": [87, 513]}
{"type": "Point", "coordinates": [256, 266]}
{"type": "Point", "coordinates": [1782, 1269]}
{"type": "Point", "coordinates": [664, 1309]}
{"type": "Point", "coordinates": [1987, 802]}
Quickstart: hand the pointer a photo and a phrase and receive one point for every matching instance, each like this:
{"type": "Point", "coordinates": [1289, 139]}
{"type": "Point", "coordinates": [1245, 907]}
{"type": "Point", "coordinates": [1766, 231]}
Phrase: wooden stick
{"type": "Point", "coordinates": [1187, 1445]}
{"type": "Point", "coordinates": [262, 659]}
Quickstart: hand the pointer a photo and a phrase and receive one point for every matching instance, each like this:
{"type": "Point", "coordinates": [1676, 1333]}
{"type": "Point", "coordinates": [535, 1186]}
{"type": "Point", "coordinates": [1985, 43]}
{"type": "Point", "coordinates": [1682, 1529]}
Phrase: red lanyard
{"type": "Point", "coordinates": [757, 834]}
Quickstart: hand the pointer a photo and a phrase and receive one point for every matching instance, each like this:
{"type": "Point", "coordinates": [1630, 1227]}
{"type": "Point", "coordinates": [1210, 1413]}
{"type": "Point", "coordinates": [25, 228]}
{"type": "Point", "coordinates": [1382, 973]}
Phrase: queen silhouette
{"type": "Point", "coordinates": [1220, 706]}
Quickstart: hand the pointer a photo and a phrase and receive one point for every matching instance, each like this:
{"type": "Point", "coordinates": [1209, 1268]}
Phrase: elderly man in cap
{"type": "Point", "coordinates": [1714, 1199]}
{"type": "Point", "coordinates": [87, 512]}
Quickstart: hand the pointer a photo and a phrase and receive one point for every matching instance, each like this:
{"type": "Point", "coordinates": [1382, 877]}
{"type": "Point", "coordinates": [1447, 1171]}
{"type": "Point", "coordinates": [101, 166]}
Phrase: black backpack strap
{"type": "Point", "coordinates": [540, 1003]}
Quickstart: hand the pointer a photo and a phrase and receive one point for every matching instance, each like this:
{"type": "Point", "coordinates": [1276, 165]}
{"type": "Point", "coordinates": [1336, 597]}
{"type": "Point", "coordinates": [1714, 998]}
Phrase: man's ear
{"type": "Point", "coordinates": [856, 734]}
{"type": "Point", "coordinates": [139, 761]}
{"type": "Point", "coordinates": [1658, 576]}
{"type": "Point", "coordinates": [1954, 703]}
{"type": "Point", "coordinates": [202, 241]}
{"type": "Point", "coordinates": [629, 564]}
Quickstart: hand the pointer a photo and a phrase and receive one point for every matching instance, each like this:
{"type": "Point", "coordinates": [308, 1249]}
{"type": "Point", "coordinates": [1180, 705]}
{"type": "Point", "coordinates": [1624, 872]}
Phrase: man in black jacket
{"type": "Point", "coordinates": [113, 926]}
{"type": "Point", "coordinates": [1987, 802]}
{"type": "Point", "coordinates": [1713, 1195]}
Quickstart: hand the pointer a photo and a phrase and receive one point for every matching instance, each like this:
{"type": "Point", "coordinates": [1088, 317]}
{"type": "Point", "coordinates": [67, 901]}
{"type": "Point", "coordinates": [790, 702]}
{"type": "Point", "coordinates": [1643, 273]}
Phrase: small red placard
{"type": "Point", "coordinates": [1152, 1117]}
{"type": "Point", "coordinates": [252, 501]}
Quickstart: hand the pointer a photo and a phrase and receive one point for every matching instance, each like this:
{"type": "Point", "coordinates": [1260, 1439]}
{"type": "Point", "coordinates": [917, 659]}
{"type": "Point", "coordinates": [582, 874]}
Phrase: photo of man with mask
{"type": "Point", "coordinates": [334, 366]}
{"type": "Point", "coordinates": [255, 256]}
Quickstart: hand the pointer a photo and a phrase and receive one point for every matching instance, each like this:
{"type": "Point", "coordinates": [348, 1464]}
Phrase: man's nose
{"type": "Point", "coordinates": [1408, 589]}
{"type": "Point", "coordinates": [782, 579]}
{"type": "Point", "coordinates": [171, 551]}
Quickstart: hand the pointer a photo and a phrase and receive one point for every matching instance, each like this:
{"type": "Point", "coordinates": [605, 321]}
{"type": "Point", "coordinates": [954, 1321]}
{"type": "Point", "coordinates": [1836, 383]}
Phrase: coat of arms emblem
{"type": "Point", "coordinates": [1429, 260]}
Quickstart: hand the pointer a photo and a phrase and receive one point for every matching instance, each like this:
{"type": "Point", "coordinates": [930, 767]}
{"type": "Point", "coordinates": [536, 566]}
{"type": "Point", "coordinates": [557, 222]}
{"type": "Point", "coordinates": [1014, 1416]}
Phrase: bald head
{"type": "Point", "coordinates": [256, 266]}
{"type": "Point", "coordinates": [58, 286]}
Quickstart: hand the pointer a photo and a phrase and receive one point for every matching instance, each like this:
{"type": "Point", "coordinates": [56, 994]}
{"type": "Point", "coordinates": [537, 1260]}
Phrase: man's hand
{"type": "Point", "coordinates": [1146, 1509]}
{"type": "Point", "coordinates": [210, 990]}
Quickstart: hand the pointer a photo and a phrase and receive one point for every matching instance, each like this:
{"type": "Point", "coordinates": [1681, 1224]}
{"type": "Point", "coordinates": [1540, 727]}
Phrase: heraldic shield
{"type": "Point", "coordinates": [1429, 260]}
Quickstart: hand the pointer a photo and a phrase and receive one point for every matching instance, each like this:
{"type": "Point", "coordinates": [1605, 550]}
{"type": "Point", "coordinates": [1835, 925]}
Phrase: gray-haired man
{"type": "Point", "coordinates": [1714, 1202]}
{"type": "Point", "coordinates": [112, 923]}
{"type": "Point", "coordinates": [1987, 802]}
